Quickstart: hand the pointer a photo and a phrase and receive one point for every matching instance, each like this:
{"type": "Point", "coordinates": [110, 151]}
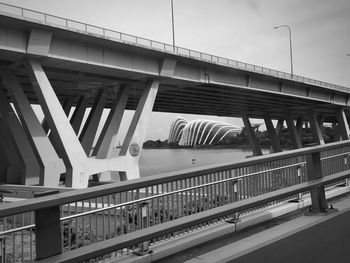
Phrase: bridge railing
{"type": "Point", "coordinates": [90, 216]}
{"type": "Point", "coordinates": [113, 35]}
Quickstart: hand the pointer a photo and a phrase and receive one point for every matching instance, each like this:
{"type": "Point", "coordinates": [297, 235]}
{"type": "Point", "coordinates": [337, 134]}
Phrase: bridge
{"type": "Point", "coordinates": [62, 64]}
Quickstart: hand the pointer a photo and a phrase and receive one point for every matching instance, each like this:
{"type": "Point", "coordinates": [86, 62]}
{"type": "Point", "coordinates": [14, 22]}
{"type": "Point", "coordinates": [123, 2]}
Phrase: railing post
{"type": "Point", "coordinates": [300, 195]}
{"type": "Point", "coordinates": [47, 230]}
{"type": "Point", "coordinates": [143, 248]}
{"type": "Point", "coordinates": [314, 171]}
{"type": "Point", "coordinates": [235, 196]}
{"type": "Point", "coordinates": [346, 164]}
{"type": "Point", "coordinates": [2, 249]}
{"type": "Point", "coordinates": [234, 189]}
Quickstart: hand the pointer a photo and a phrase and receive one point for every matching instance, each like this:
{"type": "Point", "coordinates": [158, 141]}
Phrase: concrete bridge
{"type": "Point", "coordinates": [59, 64]}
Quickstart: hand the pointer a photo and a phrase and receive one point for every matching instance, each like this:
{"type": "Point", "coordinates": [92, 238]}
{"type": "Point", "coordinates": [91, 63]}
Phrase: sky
{"type": "Point", "coordinates": [237, 29]}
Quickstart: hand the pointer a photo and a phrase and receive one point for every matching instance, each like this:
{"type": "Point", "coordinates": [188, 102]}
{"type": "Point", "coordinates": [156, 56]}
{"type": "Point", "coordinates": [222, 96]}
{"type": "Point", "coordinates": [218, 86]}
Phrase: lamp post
{"type": "Point", "coordinates": [290, 46]}
{"type": "Point", "coordinates": [172, 19]}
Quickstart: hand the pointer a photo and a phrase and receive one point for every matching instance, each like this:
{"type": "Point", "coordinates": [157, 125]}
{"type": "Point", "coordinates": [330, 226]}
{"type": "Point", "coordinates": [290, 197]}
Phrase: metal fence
{"type": "Point", "coordinates": [90, 216]}
{"type": "Point", "coordinates": [76, 26]}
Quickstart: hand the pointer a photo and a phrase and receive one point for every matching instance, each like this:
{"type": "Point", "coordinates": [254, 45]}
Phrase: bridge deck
{"type": "Point", "coordinates": [82, 58]}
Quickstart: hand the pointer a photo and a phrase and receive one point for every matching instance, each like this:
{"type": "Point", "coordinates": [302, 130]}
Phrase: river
{"type": "Point", "coordinates": [158, 161]}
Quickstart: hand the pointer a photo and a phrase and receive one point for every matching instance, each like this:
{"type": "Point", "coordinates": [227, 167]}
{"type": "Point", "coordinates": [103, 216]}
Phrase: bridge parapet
{"type": "Point", "coordinates": [116, 218]}
{"type": "Point", "coordinates": [88, 29]}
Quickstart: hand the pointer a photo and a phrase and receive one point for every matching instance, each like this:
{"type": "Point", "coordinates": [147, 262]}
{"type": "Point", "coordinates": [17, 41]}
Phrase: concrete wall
{"type": "Point", "coordinates": [328, 241]}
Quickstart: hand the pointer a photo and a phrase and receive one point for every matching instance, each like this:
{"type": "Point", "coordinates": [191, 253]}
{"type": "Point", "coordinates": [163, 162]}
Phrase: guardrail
{"type": "Point", "coordinates": [73, 25]}
{"type": "Point", "coordinates": [40, 227]}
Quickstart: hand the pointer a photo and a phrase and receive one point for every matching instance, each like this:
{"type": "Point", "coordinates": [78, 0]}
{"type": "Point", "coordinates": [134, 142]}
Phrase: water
{"type": "Point", "coordinates": [158, 161]}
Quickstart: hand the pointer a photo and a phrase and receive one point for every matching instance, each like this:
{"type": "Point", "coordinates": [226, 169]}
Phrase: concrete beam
{"type": "Point", "coordinates": [168, 67]}
{"type": "Point", "coordinates": [39, 42]}
{"type": "Point", "coordinates": [251, 136]}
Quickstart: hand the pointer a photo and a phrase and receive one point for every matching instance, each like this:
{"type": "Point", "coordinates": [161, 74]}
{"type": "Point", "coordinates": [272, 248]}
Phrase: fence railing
{"type": "Point", "coordinates": [84, 28]}
{"type": "Point", "coordinates": [86, 217]}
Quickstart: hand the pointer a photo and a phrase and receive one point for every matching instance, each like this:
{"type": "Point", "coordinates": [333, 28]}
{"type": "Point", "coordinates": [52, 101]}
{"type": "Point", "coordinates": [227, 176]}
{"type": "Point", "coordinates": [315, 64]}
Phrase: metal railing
{"type": "Point", "coordinates": [101, 213]}
{"type": "Point", "coordinates": [84, 28]}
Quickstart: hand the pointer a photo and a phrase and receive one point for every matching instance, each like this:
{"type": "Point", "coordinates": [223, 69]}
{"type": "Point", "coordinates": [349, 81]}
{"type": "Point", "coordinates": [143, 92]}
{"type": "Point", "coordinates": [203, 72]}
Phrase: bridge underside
{"type": "Point", "coordinates": [60, 70]}
{"type": "Point", "coordinates": [71, 79]}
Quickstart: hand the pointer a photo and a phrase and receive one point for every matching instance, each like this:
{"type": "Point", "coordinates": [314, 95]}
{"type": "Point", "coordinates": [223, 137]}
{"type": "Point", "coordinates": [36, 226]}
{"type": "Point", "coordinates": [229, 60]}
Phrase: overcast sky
{"type": "Point", "coordinates": [237, 29]}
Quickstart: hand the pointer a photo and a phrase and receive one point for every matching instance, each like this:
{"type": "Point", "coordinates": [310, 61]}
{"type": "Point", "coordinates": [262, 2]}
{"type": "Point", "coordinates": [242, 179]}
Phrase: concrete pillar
{"type": "Point", "coordinates": [314, 171]}
{"type": "Point", "coordinates": [79, 113]}
{"type": "Point", "coordinates": [315, 128]}
{"type": "Point", "coordinates": [293, 133]}
{"type": "Point", "coordinates": [251, 136]}
{"type": "Point", "coordinates": [73, 154]}
{"type": "Point", "coordinates": [52, 166]}
{"type": "Point", "coordinates": [15, 167]}
{"type": "Point", "coordinates": [335, 128]}
{"type": "Point", "coordinates": [88, 133]}
{"type": "Point", "coordinates": [275, 141]}
{"type": "Point", "coordinates": [3, 164]}
{"type": "Point", "coordinates": [135, 136]}
{"type": "Point", "coordinates": [24, 167]}
{"type": "Point", "coordinates": [343, 125]}
{"type": "Point", "coordinates": [299, 125]}
{"type": "Point", "coordinates": [67, 105]}
{"type": "Point", "coordinates": [106, 140]}
{"type": "Point", "coordinates": [279, 128]}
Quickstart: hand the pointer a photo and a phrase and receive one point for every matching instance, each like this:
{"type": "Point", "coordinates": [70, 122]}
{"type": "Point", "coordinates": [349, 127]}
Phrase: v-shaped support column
{"type": "Point", "coordinates": [136, 134]}
{"type": "Point", "coordinates": [88, 133]}
{"type": "Point", "coordinates": [105, 143]}
{"type": "Point", "coordinates": [275, 141]}
{"type": "Point", "coordinates": [73, 154]}
{"type": "Point", "coordinates": [293, 133]}
{"type": "Point", "coordinates": [24, 168]}
{"type": "Point", "coordinates": [343, 125]}
{"type": "Point", "coordinates": [251, 136]}
{"type": "Point", "coordinates": [52, 165]}
{"type": "Point", "coordinates": [79, 112]}
{"type": "Point", "coordinates": [315, 128]}
{"type": "Point", "coordinates": [78, 166]}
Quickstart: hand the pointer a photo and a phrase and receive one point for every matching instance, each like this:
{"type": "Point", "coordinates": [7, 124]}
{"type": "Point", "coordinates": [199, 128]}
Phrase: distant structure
{"type": "Point", "coordinates": [200, 132]}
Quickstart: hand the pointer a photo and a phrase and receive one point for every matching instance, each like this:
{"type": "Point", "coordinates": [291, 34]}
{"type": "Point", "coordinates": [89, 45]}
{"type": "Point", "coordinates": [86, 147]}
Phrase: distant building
{"type": "Point", "coordinates": [200, 132]}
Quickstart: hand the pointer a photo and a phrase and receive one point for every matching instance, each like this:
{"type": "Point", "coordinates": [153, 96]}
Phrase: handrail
{"type": "Point", "coordinates": [148, 198]}
{"type": "Point", "coordinates": [83, 194]}
{"type": "Point", "coordinates": [143, 235]}
{"type": "Point", "coordinates": [167, 48]}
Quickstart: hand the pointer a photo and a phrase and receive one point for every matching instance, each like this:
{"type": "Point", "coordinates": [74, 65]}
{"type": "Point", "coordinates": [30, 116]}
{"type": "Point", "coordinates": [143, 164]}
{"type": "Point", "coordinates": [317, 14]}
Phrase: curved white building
{"type": "Point", "coordinates": [200, 132]}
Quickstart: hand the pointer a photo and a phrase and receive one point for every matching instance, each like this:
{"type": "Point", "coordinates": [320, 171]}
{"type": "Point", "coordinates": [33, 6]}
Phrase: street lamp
{"type": "Point", "coordinates": [172, 19]}
{"type": "Point", "coordinates": [290, 46]}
